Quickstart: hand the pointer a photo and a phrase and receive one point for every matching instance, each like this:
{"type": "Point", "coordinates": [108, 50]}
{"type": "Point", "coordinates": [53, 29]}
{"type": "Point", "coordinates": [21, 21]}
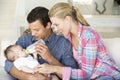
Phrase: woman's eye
{"type": "Point", "coordinates": [56, 25]}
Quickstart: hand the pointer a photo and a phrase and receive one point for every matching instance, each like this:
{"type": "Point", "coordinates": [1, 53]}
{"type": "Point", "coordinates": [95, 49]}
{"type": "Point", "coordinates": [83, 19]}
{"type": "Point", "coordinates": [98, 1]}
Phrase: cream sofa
{"type": "Point", "coordinates": [113, 46]}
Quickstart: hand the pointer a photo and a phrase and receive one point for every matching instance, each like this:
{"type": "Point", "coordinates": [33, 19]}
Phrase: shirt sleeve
{"type": "Point", "coordinates": [24, 40]}
{"type": "Point", "coordinates": [67, 57]}
{"type": "Point", "coordinates": [21, 42]}
{"type": "Point", "coordinates": [73, 74]}
{"type": "Point", "coordinates": [8, 66]}
{"type": "Point", "coordinates": [87, 61]}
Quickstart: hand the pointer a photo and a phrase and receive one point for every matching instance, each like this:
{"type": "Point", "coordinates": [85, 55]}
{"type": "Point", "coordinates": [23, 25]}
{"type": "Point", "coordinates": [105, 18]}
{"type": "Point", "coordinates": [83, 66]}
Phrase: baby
{"type": "Point", "coordinates": [21, 60]}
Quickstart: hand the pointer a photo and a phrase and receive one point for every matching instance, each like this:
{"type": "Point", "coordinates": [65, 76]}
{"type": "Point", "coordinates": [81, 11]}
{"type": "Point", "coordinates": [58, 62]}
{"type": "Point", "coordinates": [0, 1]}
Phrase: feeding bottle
{"type": "Point", "coordinates": [30, 49]}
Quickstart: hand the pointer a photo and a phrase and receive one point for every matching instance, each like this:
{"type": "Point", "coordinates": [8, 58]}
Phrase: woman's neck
{"type": "Point", "coordinates": [74, 35]}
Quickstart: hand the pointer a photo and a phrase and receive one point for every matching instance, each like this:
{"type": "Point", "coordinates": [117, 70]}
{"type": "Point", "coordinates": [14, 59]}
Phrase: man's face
{"type": "Point", "coordinates": [37, 30]}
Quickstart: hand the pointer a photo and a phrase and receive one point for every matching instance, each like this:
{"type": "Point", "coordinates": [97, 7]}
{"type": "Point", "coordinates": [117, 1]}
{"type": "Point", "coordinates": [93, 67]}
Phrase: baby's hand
{"type": "Point", "coordinates": [35, 55]}
{"type": "Point", "coordinates": [33, 72]}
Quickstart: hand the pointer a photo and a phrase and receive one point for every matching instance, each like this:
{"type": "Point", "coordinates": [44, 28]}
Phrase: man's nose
{"type": "Point", "coordinates": [16, 57]}
{"type": "Point", "coordinates": [33, 33]}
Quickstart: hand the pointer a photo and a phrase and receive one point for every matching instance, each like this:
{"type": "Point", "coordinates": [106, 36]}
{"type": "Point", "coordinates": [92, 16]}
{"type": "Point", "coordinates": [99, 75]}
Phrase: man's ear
{"type": "Point", "coordinates": [48, 25]}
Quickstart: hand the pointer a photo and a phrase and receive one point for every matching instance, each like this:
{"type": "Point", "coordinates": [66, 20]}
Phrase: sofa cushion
{"type": "Point", "coordinates": [113, 47]}
{"type": "Point", "coordinates": [4, 75]}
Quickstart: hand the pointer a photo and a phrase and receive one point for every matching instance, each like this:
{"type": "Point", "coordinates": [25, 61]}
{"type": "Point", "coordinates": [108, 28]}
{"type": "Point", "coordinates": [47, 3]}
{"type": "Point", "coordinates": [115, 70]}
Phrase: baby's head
{"type": "Point", "coordinates": [13, 52]}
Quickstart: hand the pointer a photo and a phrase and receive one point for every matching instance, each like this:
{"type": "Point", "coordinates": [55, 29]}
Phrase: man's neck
{"type": "Point", "coordinates": [48, 34]}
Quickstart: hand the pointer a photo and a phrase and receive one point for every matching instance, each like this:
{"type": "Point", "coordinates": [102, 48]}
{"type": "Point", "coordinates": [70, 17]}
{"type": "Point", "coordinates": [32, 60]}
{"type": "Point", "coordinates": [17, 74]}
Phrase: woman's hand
{"type": "Point", "coordinates": [45, 69]}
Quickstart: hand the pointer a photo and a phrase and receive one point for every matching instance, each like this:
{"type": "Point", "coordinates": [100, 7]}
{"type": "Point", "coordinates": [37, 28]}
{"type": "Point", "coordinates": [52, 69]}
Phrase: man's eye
{"type": "Point", "coordinates": [37, 30]}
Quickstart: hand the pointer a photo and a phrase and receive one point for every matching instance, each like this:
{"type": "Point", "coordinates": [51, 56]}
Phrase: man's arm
{"type": "Point", "coordinates": [13, 71]}
{"type": "Point", "coordinates": [27, 69]}
{"type": "Point", "coordinates": [44, 52]}
{"type": "Point", "coordinates": [67, 58]}
{"type": "Point", "coordinates": [26, 76]}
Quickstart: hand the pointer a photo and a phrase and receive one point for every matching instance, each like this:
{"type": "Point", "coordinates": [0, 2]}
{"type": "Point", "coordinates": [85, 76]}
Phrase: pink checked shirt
{"type": "Point", "coordinates": [93, 59]}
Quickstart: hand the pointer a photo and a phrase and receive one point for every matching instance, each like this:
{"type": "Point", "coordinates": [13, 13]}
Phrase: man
{"type": "Point", "coordinates": [53, 52]}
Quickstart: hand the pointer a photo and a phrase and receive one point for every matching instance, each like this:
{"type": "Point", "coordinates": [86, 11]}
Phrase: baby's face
{"type": "Point", "coordinates": [16, 53]}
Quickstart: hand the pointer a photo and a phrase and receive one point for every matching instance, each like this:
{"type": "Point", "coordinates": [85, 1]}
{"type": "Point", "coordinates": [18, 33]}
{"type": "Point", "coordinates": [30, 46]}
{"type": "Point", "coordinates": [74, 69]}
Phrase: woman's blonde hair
{"type": "Point", "coordinates": [62, 10]}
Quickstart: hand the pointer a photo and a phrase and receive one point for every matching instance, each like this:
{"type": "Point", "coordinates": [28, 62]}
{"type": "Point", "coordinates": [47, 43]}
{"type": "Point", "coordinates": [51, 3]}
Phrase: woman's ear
{"type": "Point", "coordinates": [68, 19]}
{"type": "Point", "coordinates": [48, 25]}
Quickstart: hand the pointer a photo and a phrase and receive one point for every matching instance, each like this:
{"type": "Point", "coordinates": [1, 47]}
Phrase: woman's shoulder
{"type": "Point", "coordinates": [90, 32]}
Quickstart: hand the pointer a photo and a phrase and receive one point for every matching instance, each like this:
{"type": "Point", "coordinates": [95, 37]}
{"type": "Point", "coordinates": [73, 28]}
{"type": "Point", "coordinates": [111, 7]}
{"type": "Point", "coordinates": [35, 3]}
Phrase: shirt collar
{"type": "Point", "coordinates": [50, 37]}
{"type": "Point", "coordinates": [33, 39]}
{"type": "Point", "coordinates": [47, 40]}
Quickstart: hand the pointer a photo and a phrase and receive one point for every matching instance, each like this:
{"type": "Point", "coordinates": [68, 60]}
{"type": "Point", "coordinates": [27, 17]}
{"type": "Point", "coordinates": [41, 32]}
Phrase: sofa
{"type": "Point", "coordinates": [113, 47]}
{"type": "Point", "coordinates": [112, 44]}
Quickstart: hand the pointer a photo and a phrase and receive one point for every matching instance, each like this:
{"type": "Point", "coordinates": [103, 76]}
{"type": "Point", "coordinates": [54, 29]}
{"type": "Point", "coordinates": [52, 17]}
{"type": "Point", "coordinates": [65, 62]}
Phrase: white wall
{"type": "Point", "coordinates": [7, 31]}
{"type": "Point", "coordinates": [88, 7]}
{"type": "Point", "coordinates": [7, 9]}
{"type": "Point", "coordinates": [30, 4]}
{"type": "Point", "coordinates": [25, 6]}
{"type": "Point", "coordinates": [108, 6]}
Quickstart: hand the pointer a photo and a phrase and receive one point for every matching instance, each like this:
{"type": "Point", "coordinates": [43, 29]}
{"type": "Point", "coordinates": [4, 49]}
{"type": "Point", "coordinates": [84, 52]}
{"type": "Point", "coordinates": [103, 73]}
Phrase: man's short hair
{"type": "Point", "coordinates": [39, 13]}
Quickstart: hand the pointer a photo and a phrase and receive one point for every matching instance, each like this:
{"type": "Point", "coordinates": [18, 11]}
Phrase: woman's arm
{"type": "Point", "coordinates": [47, 69]}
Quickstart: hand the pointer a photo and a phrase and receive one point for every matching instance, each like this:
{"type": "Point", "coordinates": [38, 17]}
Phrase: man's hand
{"type": "Point", "coordinates": [38, 76]}
{"type": "Point", "coordinates": [26, 76]}
{"type": "Point", "coordinates": [43, 51]}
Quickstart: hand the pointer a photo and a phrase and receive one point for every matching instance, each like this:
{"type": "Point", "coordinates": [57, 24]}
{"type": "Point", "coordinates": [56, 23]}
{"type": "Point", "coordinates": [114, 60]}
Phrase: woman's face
{"type": "Point", "coordinates": [60, 26]}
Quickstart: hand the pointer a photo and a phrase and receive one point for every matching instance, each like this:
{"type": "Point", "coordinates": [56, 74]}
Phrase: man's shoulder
{"type": "Point", "coordinates": [25, 37]}
{"type": "Point", "coordinates": [62, 40]}
{"type": "Point", "coordinates": [25, 40]}
{"type": "Point", "coordinates": [28, 35]}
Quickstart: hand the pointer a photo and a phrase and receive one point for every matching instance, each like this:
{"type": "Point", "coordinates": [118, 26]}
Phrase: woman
{"type": "Point", "coordinates": [88, 48]}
